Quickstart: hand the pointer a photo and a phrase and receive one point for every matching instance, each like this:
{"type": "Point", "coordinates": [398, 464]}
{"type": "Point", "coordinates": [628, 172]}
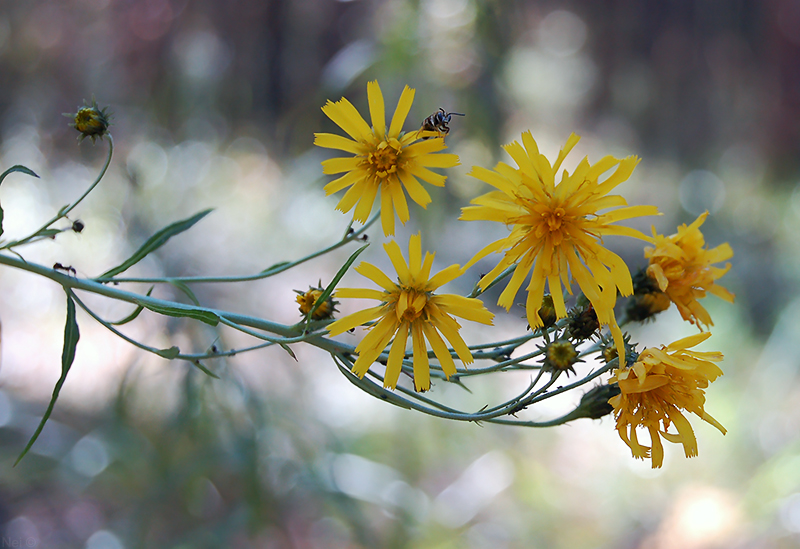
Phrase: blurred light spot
{"type": "Point", "coordinates": [204, 500]}
{"type": "Point", "coordinates": [202, 56]}
{"type": "Point", "coordinates": [5, 32]}
{"type": "Point", "coordinates": [104, 539]}
{"type": "Point", "coordinates": [701, 190]}
{"type": "Point", "coordinates": [790, 513]}
{"type": "Point", "coordinates": [347, 64]}
{"type": "Point", "coordinates": [562, 33]}
{"type": "Point", "coordinates": [45, 27]}
{"type": "Point", "coordinates": [484, 479]}
{"type": "Point", "coordinates": [488, 535]}
{"type": "Point", "coordinates": [547, 82]}
{"type": "Point", "coordinates": [742, 163]}
{"type": "Point", "coordinates": [6, 409]}
{"type": "Point", "coordinates": [83, 518]}
{"type": "Point", "coordinates": [404, 496]}
{"type": "Point", "coordinates": [53, 439]}
{"type": "Point", "coordinates": [788, 19]}
{"type": "Point", "coordinates": [631, 87]}
{"type": "Point", "coordinates": [795, 200]}
{"type": "Point", "coordinates": [330, 533]}
{"type": "Point", "coordinates": [361, 478]}
{"type": "Point", "coordinates": [150, 19]}
{"type": "Point", "coordinates": [700, 517]}
{"type": "Point", "coordinates": [449, 11]}
{"type": "Point", "coordinates": [147, 163]}
{"type": "Point", "coordinates": [23, 529]}
{"type": "Point", "coordinates": [89, 456]}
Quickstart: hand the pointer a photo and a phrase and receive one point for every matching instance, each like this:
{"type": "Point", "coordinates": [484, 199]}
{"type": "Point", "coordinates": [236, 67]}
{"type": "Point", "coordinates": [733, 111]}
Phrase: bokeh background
{"type": "Point", "coordinates": [215, 105]}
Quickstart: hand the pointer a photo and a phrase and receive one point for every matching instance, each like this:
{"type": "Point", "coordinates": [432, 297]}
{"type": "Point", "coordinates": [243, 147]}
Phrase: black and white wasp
{"type": "Point", "coordinates": [438, 122]}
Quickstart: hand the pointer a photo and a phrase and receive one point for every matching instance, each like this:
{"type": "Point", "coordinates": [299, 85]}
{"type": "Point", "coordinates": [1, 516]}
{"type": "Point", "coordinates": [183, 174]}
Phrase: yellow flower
{"type": "Point", "coordinates": [681, 264]}
{"type": "Point", "coordinates": [410, 307]}
{"type": "Point", "coordinates": [660, 384]}
{"type": "Point", "coordinates": [385, 161]}
{"type": "Point", "coordinates": [555, 229]}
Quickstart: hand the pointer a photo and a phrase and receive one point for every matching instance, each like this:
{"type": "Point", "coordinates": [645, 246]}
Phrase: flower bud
{"type": "Point", "coordinates": [582, 322]}
{"type": "Point", "coordinates": [647, 300]}
{"type": "Point", "coordinates": [560, 356]}
{"type": "Point", "coordinates": [90, 121]}
{"type": "Point", "coordinates": [594, 404]}
{"type": "Point", "coordinates": [307, 300]}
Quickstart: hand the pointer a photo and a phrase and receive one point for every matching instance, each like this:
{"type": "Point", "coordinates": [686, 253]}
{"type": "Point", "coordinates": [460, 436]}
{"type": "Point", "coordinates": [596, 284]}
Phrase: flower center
{"type": "Point", "coordinates": [554, 218]}
{"type": "Point", "coordinates": [383, 160]}
{"type": "Point", "coordinates": [410, 304]}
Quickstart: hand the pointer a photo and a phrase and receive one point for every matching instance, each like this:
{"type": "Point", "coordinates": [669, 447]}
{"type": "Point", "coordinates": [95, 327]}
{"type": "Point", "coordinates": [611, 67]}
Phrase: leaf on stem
{"type": "Point", "coordinates": [71, 337]}
{"type": "Point", "coordinates": [332, 286]}
{"type": "Point", "coordinates": [134, 314]}
{"type": "Point", "coordinates": [182, 286]}
{"type": "Point", "coordinates": [184, 312]}
{"type": "Point", "coordinates": [169, 354]}
{"type": "Point", "coordinates": [18, 168]}
{"type": "Point", "coordinates": [275, 267]}
{"type": "Point", "coordinates": [155, 242]}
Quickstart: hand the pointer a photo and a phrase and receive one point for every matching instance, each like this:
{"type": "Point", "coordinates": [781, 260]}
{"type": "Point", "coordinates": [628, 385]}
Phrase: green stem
{"type": "Point", "coordinates": [281, 267]}
{"type": "Point", "coordinates": [65, 211]}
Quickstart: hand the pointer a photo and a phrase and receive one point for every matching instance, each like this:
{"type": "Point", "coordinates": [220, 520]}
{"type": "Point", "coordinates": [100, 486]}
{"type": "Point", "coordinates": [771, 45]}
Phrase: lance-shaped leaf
{"type": "Point", "coordinates": [18, 168]}
{"type": "Point", "coordinates": [131, 317]}
{"type": "Point", "coordinates": [182, 286]}
{"type": "Point", "coordinates": [71, 336]}
{"type": "Point", "coordinates": [183, 312]}
{"type": "Point", "coordinates": [155, 242]}
{"type": "Point", "coordinates": [332, 286]}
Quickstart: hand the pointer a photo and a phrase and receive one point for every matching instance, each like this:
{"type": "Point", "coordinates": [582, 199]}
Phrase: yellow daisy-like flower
{"type": "Point", "coordinates": [555, 229]}
{"type": "Point", "coordinates": [410, 307]}
{"type": "Point", "coordinates": [682, 266]}
{"type": "Point", "coordinates": [655, 389]}
{"type": "Point", "coordinates": [384, 160]}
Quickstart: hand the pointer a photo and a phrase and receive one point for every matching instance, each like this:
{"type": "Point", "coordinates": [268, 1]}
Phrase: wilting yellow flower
{"type": "Point", "coordinates": [655, 389]}
{"type": "Point", "coordinates": [385, 161]}
{"type": "Point", "coordinates": [682, 266]}
{"type": "Point", "coordinates": [556, 230]}
{"type": "Point", "coordinates": [410, 307]}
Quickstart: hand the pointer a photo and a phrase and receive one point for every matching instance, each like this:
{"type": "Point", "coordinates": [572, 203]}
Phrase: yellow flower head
{"type": "Point", "coordinates": [682, 266]}
{"type": "Point", "coordinates": [556, 230]}
{"type": "Point", "coordinates": [409, 306]}
{"type": "Point", "coordinates": [384, 160]}
{"type": "Point", "coordinates": [655, 389]}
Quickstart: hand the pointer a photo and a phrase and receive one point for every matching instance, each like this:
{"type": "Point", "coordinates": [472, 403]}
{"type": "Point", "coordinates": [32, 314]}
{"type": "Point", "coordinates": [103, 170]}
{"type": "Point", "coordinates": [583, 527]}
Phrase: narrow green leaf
{"type": "Point", "coordinates": [18, 168]}
{"type": "Point", "coordinates": [275, 267]}
{"type": "Point", "coordinates": [329, 289]}
{"type": "Point", "coordinates": [48, 232]}
{"type": "Point", "coordinates": [170, 353]}
{"type": "Point", "coordinates": [205, 370]}
{"type": "Point", "coordinates": [134, 314]}
{"type": "Point", "coordinates": [182, 286]}
{"type": "Point", "coordinates": [189, 312]}
{"type": "Point", "coordinates": [155, 242]}
{"type": "Point", "coordinates": [288, 349]}
{"type": "Point", "coordinates": [71, 337]}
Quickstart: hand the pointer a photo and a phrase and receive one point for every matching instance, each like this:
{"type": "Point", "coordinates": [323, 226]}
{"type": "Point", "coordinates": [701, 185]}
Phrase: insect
{"type": "Point", "coordinates": [69, 269]}
{"type": "Point", "coordinates": [438, 122]}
